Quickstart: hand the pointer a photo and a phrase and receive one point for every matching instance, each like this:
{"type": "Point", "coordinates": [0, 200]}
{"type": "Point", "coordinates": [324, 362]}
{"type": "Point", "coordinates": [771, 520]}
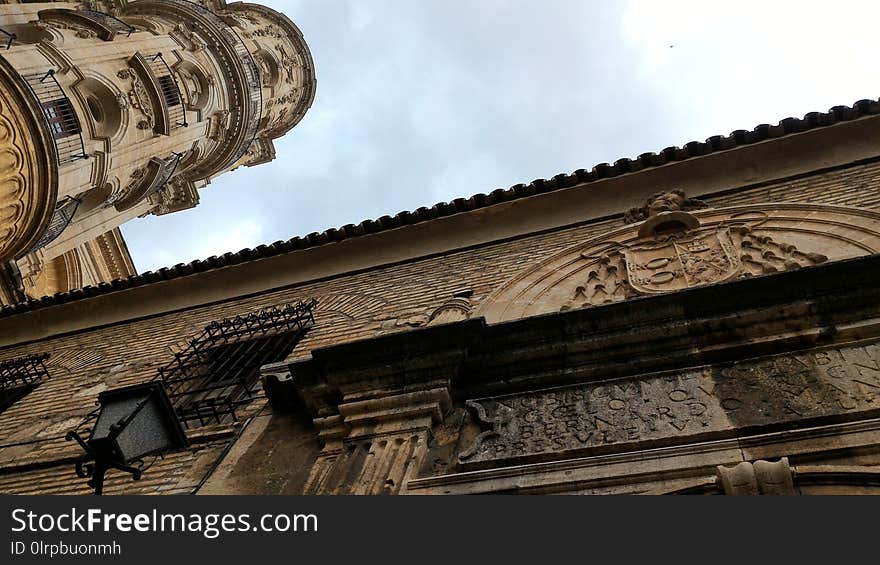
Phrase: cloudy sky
{"type": "Point", "coordinates": [421, 101]}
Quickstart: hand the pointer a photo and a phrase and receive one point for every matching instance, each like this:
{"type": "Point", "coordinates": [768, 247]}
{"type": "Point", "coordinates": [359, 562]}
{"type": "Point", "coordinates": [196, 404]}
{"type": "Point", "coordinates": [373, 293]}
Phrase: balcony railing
{"type": "Point", "coordinates": [108, 21]}
{"type": "Point", "coordinates": [60, 116]}
{"type": "Point", "coordinates": [159, 172]}
{"type": "Point", "coordinates": [251, 70]}
{"type": "Point", "coordinates": [64, 212]}
{"type": "Point", "coordinates": [165, 173]}
{"type": "Point", "coordinates": [170, 90]}
{"type": "Point", "coordinates": [103, 25]}
{"type": "Point", "coordinates": [10, 37]}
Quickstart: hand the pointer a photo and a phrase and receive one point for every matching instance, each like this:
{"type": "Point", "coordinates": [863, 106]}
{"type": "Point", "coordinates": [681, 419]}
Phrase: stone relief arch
{"type": "Point", "coordinates": [676, 249]}
{"type": "Point", "coordinates": [60, 274]}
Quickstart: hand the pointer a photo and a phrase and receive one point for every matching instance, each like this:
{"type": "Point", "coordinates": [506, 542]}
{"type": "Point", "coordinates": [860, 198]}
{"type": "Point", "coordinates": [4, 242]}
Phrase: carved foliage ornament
{"type": "Point", "coordinates": [138, 98]}
{"type": "Point", "coordinates": [673, 248]}
{"type": "Point", "coordinates": [673, 252]}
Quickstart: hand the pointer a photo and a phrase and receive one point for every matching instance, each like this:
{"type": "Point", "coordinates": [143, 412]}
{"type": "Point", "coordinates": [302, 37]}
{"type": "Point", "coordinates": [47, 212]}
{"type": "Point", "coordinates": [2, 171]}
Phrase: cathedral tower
{"type": "Point", "coordinates": [113, 110]}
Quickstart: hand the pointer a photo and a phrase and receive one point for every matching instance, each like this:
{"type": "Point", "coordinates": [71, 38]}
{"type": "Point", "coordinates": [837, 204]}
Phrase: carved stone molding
{"type": "Point", "coordinates": [379, 441]}
{"type": "Point", "coordinates": [674, 250]}
{"type": "Point", "coordinates": [28, 168]}
{"type": "Point", "coordinates": [372, 440]}
{"type": "Point", "coordinates": [678, 406]}
{"type": "Point", "coordinates": [453, 310]}
{"type": "Point", "coordinates": [374, 408]}
{"type": "Point", "coordinates": [178, 194]}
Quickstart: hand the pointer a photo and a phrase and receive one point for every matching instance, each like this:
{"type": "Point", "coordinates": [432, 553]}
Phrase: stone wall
{"type": "Point", "coordinates": [391, 299]}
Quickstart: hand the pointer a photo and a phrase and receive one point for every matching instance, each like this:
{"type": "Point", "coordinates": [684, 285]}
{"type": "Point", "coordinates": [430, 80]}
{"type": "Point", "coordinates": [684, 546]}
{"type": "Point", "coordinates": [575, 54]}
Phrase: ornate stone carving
{"type": "Point", "coordinates": [134, 179]}
{"type": "Point", "coordinates": [674, 249]}
{"type": "Point", "coordinates": [138, 98]}
{"type": "Point", "coordinates": [455, 309]}
{"type": "Point", "coordinates": [760, 477]}
{"type": "Point", "coordinates": [12, 181]}
{"type": "Point", "coordinates": [267, 31]}
{"type": "Point", "coordinates": [697, 403]}
{"type": "Point", "coordinates": [178, 194]}
{"type": "Point", "coordinates": [686, 259]}
{"type": "Point", "coordinates": [674, 200]}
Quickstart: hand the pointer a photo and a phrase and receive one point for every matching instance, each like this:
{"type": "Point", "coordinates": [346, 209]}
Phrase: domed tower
{"type": "Point", "coordinates": [112, 110]}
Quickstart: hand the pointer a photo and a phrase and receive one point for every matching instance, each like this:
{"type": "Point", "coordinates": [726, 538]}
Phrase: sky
{"type": "Point", "coordinates": [423, 101]}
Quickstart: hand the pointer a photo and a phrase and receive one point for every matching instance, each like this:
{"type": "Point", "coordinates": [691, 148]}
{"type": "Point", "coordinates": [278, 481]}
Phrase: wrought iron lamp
{"type": "Point", "coordinates": [132, 422]}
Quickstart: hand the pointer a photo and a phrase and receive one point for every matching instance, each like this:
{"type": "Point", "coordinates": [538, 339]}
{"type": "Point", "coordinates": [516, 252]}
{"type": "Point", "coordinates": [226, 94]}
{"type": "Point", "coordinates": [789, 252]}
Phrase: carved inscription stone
{"type": "Point", "coordinates": [707, 402]}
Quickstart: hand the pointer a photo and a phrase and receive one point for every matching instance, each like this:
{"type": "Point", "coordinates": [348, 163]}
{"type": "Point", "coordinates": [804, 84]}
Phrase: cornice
{"type": "Point", "coordinates": [845, 139]}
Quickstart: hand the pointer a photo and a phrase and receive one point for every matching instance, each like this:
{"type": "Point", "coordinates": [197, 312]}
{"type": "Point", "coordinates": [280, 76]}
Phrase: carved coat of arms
{"type": "Point", "coordinates": [682, 261]}
{"type": "Point", "coordinates": [674, 252]}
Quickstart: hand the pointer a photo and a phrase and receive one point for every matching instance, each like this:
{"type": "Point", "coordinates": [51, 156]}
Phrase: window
{"type": "Point", "coordinates": [219, 372]}
{"type": "Point", "coordinates": [20, 376]}
{"type": "Point", "coordinates": [61, 118]}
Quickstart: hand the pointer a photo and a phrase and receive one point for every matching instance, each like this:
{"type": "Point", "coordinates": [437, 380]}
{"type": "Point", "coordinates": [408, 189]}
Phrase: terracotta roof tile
{"type": "Point", "coordinates": [716, 143]}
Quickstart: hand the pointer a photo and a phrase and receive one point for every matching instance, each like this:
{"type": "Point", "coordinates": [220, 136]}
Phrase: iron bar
{"type": "Point", "coordinates": [170, 90]}
{"type": "Point", "coordinates": [108, 21]}
{"type": "Point", "coordinates": [23, 371]}
{"type": "Point", "coordinates": [10, 38]}
{"type": "Point", "coordinates": [61, 218]}
{"type": "Point", "coordinates": [219, 370]}
{"type": "Point", "coordinates": [51, 96]}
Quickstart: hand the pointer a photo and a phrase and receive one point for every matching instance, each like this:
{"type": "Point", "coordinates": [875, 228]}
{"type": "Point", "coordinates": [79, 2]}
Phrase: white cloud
{"type": "Point", "coordinates": [425, 101]}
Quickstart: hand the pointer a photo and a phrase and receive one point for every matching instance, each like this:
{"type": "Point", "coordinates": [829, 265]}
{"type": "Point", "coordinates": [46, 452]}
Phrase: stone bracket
{"type": "Point", "coordinates": [760, 477]}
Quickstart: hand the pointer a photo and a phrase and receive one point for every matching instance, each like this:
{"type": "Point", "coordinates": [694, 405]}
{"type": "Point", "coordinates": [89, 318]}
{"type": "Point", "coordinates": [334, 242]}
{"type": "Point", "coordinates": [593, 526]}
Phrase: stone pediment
{"type": "Point", "coordinates": [675, 250]}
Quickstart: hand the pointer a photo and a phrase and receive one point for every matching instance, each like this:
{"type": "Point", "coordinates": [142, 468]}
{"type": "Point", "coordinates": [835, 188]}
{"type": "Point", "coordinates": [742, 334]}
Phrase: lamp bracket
{"type": "Point", "coordinates": [93, 466]}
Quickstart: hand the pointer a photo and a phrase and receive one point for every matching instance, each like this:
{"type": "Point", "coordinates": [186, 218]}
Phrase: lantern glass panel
{"type": "Point", "coordinates": [147, 420]}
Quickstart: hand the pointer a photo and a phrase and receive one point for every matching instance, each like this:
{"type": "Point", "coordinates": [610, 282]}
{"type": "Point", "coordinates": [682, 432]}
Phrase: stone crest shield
{"type": "Point", "coordinates": [681, 261]}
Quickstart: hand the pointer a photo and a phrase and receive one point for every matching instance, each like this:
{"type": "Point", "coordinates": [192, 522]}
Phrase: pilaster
{"type": "Point", "coordinates": [374, 408]}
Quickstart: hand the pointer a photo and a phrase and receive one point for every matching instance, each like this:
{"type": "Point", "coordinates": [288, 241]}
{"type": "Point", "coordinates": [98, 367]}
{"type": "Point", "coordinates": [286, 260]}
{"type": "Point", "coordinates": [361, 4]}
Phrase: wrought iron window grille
{"type": "Point", "coordinates": [20, 376]}
{"type": "Point", "coordinates": [60, 116]}
{"type": "Point", "coordinates": [219, 371]}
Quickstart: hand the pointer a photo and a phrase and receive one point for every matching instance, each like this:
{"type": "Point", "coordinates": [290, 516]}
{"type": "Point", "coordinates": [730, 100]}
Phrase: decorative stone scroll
{"type": "Point", "coordinates": [691, 405]}
{"type": "Point", "coordinates": [674, 249]}
{"type": "Point", "coordinates": [760, 477]}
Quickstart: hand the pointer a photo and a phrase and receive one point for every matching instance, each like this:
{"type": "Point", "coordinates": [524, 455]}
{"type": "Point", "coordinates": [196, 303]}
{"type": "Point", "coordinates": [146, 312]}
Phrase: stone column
{"type": "Point", "coordinates": [374, 404]}
{"type": "Point", "coordinates": [374, 445]}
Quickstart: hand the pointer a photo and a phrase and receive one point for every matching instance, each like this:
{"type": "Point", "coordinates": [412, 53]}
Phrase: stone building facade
{"type": "Point", "coordinates": [113, 110]}
{"type": "Point", "coordinates": [698, 320]}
